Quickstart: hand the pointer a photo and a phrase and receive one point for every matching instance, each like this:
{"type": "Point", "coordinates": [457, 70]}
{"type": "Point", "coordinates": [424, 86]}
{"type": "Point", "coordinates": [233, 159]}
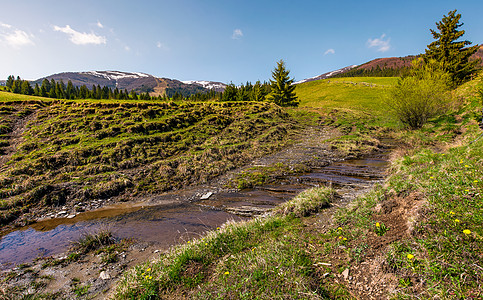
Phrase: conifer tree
{"type": "Point", "coordinates": [10, 81]}
{"type": "Point", "coordinates": [25, 88]}
{"type": "Point", "coordinates": [37, 90]}
{"type": "Point", "coordinates": [70, 90]}
{"type": "Point", "coordinates": [450, 53]}
{"type": "Point", "coordinates": [282, 88]}
{"type": "Point", "coordinates": [230, 93]}
{"type": "Point", "coordinates": [17, 85]}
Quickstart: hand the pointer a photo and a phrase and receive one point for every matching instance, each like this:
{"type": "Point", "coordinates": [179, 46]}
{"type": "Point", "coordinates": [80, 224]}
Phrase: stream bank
{"type": "Point", "coordinates": [175, 217]}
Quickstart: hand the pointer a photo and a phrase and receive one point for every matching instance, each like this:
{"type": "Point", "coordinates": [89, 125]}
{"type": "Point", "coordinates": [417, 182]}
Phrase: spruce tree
{"type": "Point", "coordinates": [282, 88]}
{"type": "Point", "coordinates": [25, 88]}
{"type": "Point", "coordinates": [450, 53]}
{"type": "Point", "coordinates": [10, 81]}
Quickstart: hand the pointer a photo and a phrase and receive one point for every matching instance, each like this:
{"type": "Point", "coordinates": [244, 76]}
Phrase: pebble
{"type": "Point", "coordinates": [345, 273]}
{"type": "Point", "coordinates": [104, 275]}
{"type": "Point", "coordinates": [70, 216]}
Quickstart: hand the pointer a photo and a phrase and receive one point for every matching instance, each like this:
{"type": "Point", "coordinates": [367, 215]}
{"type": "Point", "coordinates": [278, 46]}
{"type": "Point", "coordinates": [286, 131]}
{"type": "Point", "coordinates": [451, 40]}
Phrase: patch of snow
{"type": "Point", "coordinates": [326, 75]}
{"type": "Point", "coordinates": [206, 84]}
{"type": "Point", "coordinates": [116, 75]}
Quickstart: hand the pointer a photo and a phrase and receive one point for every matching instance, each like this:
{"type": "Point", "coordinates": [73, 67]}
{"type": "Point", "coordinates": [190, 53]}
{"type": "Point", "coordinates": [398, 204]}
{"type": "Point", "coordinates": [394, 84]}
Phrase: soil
{"type": "Point", "coordinates": [366, 281]}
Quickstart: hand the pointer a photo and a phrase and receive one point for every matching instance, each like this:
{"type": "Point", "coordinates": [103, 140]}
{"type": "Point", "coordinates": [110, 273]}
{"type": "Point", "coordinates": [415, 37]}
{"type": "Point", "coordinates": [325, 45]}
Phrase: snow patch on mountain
{"type": "Point", "coordinates": [326, 75]}
{"type": "Point", "coordinates": [207, 84]}
{"type": "Point", "coordinates": [116, 75]}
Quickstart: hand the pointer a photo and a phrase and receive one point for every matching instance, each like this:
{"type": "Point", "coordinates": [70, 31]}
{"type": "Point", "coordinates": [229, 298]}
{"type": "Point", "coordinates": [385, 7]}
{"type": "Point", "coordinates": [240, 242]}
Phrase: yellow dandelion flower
{"type": "Point", "coordinates": [340, 228]}
{"type": "Point", "coordinates": [410, 256]}
{"type": "Point", "coordinates": [142, 274]}
{"type": "Point", "coordinates": [431, 177]}
{"type": "Point", "coordinates": [451, 212]}
{"type": "Point", "coordinates": [148, 270]}
{"type": "Point", "coordinates": [456, 220]}
{"type": "Point", "coordinates": [476, 181]}
{"type": "Point", "coordinates": [377, 224]}
{"type": "Point", "coordinates": [188, 242]}
{"type": "Point", "coordinates": [467, 190]}
{"type": "Point", "coordinates": [340, 238]}
{"type": "Point", "coordinates": [466, 166]}
{"type": "Point", "coordinates": [227, 273]}
{"type": "Point", "coordinates": [206, 244]}
{"type": "Point", "coordinates": [466, 231]}
{"type": "Point", "coordinates": [217, 228]}
{"type": "Point", "coordinates": [344, 239]}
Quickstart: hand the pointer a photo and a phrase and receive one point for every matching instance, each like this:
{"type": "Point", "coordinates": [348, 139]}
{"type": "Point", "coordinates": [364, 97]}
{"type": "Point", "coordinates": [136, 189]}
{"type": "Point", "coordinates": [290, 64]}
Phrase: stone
{"type": "Point", "coordinates": [345, 273]}
{"type": "Point", "coordinates": [70, 216]}
{"type": "Point", "coordinates": [104, 275]}
{"type": "Point", "coordinates": [206, 196]}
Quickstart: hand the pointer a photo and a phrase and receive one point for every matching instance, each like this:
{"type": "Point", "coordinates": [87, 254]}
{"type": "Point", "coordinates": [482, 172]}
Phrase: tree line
{"type": "Point", "coordinates": [375, 72]}
{"type": "Point", "coordinates": [59, 90]}
{"type": "Point", "coordinates": [279, 90]}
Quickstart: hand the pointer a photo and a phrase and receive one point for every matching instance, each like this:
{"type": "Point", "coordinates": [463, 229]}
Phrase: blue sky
{"type": "Point", "coordinates": [219, 40]}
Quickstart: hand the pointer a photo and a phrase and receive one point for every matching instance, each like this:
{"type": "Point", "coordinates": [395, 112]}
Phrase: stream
{"type": "Point", "coordinates": [175, 217]}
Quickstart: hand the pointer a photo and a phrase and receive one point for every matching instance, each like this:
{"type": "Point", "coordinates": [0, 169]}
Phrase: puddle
{"type": "Point", "coordinates": [177, 219]}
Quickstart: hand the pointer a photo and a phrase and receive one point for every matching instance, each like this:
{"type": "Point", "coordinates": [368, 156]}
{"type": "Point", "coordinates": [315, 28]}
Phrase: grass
{"type": "Point", "coordinates": [261, 175]}
{"type": "Point", "coordinates": [355, 106]}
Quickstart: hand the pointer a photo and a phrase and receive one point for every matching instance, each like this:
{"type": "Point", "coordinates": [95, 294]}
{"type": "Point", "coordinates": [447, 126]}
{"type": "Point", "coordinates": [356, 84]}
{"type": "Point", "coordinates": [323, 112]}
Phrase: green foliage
{"type": "Point", "coordinates": [374, 72]}
{"type": "Point", "coordinates": [422, 95]}
{"type": "Point", "coordinates": [450, 53]}
{"type": "Point", "coordinates": [94, 241]}
{"type": "Point", "coordinates": [381, 229]}
{"type": "Point", "coordinates": [282, 89]}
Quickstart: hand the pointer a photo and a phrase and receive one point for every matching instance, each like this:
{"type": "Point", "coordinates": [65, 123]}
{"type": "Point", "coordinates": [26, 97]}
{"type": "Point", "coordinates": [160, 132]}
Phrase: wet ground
{"type": "Point", "coordinates": [171, 218]}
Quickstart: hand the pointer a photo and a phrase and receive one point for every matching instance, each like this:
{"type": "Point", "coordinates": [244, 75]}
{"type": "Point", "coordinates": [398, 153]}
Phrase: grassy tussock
{"type": "Point", "coordinates": [261, 257]}
{"type": "Point", "coordinates": [306, 203]}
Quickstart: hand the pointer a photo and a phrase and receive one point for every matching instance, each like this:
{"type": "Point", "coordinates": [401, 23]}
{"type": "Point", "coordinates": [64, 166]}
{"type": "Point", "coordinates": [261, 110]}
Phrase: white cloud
{"type": "Point", "coordinates": [99, 24]}
{"type": "Point", "coordinates": [161, 46]}
{"type": "Point", "coordinates": [237, 34]}
{"type": "Point", "coordinates": [14, 37]}
{"type": "Point", "coordinates": [381, 44]}
{"type": "Point", "coordinates": [329, 51]}
{"type": "Point", "coordinates": [81, 38]}
{"type": "Point", "coordinates": [127, 48]}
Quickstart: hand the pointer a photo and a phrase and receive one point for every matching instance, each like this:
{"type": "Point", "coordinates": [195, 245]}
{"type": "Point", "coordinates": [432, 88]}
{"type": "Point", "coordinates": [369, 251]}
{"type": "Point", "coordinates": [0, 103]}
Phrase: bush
{"type": "Point", "coordinates": [420, 96]}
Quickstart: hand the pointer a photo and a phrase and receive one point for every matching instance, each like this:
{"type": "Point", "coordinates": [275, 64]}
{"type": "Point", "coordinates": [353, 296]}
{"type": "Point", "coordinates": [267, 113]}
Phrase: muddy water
{"type": "Point", "coordinates": [175, 217]}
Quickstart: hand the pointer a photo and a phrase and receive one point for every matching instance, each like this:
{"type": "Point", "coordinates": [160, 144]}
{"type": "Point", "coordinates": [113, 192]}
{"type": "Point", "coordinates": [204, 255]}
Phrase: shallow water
{"type": "Point", "coordinates": [177, 219]}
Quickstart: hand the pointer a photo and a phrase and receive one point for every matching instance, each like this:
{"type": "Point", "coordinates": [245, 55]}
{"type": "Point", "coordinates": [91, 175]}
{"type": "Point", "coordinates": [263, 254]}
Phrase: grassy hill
{"type": "Point", "coordinates": [59, 152]}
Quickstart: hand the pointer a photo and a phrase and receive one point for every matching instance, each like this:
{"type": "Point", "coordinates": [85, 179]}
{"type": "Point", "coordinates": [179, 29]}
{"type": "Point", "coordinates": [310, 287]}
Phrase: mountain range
{"type": "Point", "coordinates": [142, 83]}
{"type": "Point", "coordinates": [139, 82]}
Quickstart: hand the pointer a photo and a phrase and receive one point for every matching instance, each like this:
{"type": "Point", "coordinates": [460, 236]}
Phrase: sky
{"type": "Point", "coordinates": [217, 40]}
